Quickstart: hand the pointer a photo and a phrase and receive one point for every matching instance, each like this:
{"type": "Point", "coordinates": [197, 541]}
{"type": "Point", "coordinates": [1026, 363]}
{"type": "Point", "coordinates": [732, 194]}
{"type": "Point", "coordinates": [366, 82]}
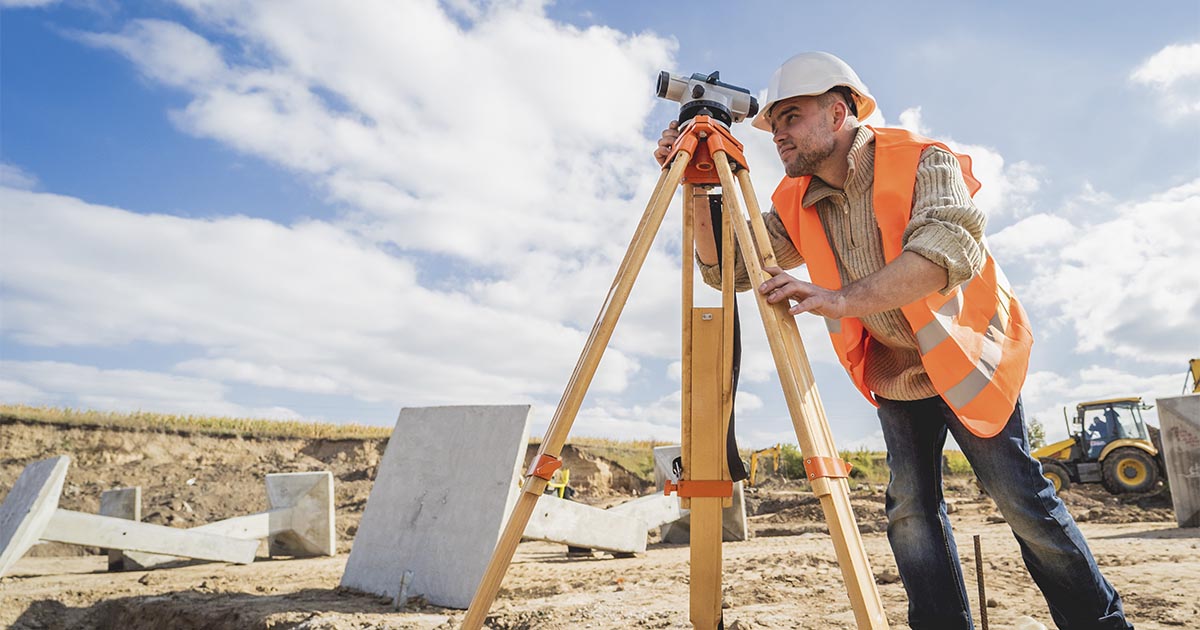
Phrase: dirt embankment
{"type": "Point", "coordinates": [189, 480]}
{"type": "Point", "coordinates": [193, 479]}
{"type": "Point", "coordinates": [785, 577]}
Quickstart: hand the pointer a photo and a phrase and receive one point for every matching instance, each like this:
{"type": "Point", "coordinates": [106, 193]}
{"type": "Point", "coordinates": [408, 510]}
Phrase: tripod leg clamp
{"type": "Point", "coordinates": [818, 467]}
{"type": "Point", "coordinates": [544, 467]}
{"type": "Point", "coordinates": [699, 488]}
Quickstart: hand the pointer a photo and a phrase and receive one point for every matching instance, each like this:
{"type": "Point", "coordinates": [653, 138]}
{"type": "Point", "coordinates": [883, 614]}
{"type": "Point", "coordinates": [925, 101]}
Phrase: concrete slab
{"type": "Point", "coordinates": [733, 518]}
{"type": "Point", "coordinates": [1179, 417]}
{"type": "Point", "coordinates": [439, 503]}
{"type": "Point", "coordinates": [578, 525]}
{"type": "Point", "coordinates": [28, 507]}
{"type": "Point", "coordinates": [93, 530]}
{"type": "Point", "coordinates": [121, 503]}
{"type": "Point", "coordinates": [653, 510]}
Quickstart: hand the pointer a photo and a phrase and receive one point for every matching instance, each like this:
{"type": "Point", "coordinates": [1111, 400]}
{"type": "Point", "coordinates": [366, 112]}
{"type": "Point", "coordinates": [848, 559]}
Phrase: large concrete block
{"type": "Point", "coordinates": [578, 525]}
{"type": "Point", "coordinates": [29, 506]}
{"type": "Point", "coordinates": [733, 518]}
{"type": "Point", "coordinates": [309, 498]}
{"type": "Point", "coordinates": [1179, 417]}
{"type": "Point", "coordinates": [439, 503]}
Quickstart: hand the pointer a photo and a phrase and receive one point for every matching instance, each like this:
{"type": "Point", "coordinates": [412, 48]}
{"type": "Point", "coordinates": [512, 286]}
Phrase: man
{"type": "Point", "coordinates": [1098, 436]}
{"type": "Point", "coordinates": [926, 325]}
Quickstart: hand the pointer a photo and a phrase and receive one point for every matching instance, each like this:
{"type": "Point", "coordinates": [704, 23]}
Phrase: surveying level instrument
{"type": "Point", "coordinates": [705, 155]}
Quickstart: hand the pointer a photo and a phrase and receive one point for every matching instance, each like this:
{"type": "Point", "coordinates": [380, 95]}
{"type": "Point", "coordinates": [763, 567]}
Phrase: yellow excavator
{"type": "Point", "coordinates": [1109, 443]}
{"type": "Point", "coordinates": [774, 452]}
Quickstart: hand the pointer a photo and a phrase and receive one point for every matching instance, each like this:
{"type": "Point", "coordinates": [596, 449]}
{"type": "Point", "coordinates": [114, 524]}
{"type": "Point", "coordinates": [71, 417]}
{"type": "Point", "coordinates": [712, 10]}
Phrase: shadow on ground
{"type": "Point", "coordinates": [198, 610]}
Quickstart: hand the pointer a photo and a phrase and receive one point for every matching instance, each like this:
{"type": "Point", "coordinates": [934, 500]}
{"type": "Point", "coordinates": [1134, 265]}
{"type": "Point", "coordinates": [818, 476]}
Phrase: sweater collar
{"type": "Point", "coordinates": [856, 178]}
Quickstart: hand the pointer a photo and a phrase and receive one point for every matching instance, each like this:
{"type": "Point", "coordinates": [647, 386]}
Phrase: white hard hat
{"type": "Point", "coordinates": [810, 74]}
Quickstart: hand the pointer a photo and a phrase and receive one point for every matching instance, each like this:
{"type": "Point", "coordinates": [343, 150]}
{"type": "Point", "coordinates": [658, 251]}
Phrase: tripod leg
{"type": "Point", "coordinates": [834, 493]}
{"type": "Point", "coordinates": [804, 405]}
{"type": "Point", "coordinates": [707, 448]}
{"type": "Point", "coordinates": [687, 292]}
{"type": "Point", "coordinates": [572, 398]}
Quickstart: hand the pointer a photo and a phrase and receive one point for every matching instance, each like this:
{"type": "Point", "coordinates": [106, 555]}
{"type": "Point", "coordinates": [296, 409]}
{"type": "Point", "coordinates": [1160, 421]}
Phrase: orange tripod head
{"type": "Point", "coordinates": [701, 138]}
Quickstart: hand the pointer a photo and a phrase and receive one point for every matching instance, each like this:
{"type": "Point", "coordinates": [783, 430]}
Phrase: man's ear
{"type": "Point", "coordinates": [840, 112]}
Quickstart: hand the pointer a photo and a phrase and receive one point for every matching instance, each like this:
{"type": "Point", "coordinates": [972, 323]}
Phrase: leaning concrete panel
{"type": "Point", "coordinates": [1180, 420]}
{"type": "Point", "coordinates": [439, 503]}
{"type": "Point", "coordinates": [29, 506]}
{"type": "Point", "coordinates": [579, 525]}
{"type": "Point", "coordinates": [733, 518]}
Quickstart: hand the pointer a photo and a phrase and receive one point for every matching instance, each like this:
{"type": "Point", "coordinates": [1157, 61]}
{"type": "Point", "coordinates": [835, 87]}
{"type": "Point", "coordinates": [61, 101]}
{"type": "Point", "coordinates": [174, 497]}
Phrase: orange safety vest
{"type": "Point", "coordinates": [974, 342]}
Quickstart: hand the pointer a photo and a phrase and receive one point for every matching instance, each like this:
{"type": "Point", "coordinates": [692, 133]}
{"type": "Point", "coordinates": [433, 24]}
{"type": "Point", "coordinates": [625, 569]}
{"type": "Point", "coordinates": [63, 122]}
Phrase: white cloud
{"type": "Point", "coordinates": [26, 4]}
{"type": "Point", "coordinates": [1007, 189]}
{"type": "Point", "coordinates": [1174, 72]}
{"type": "Point", "coordinates": [529, 180]}
{"type": "Point", "coordinates": [443, 157]}
{"type": "Point", "coordinates": [910, 119]}
{"type": "Point", "coordinates": [306, 308]}
{"type": "Point", "coordinates": [1040, 234]}
{"type": "Point", "coordinates": [13, 176]}
{"type": "Point", "coordinates": [1170, 65]}
{"type": "Point", "coordinates": [69, 384]}
{"type": "Point", "coordinates": [167, 52]}
{"type": "Point", "coordinates": [1127, 285]}
{"type": "Point", "coordinates": [501, 159]}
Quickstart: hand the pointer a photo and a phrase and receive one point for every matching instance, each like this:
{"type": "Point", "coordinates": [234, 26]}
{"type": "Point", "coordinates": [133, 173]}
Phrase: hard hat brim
{"type": "Point", "coordinates": [864, 102]}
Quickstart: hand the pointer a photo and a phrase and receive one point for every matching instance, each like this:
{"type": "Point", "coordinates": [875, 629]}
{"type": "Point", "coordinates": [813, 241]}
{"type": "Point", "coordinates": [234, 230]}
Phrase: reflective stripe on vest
{"type": "Point", "coordinates": [974, 342]}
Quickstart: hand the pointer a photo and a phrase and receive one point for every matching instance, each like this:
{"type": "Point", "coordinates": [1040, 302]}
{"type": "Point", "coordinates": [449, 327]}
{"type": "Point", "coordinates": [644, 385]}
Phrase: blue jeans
{"type": "Point", "coordinates": [919, 531]}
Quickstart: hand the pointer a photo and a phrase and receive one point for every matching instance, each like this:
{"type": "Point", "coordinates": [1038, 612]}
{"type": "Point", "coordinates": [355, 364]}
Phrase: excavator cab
{"type": "Point", "coordinates": [1101, 423]}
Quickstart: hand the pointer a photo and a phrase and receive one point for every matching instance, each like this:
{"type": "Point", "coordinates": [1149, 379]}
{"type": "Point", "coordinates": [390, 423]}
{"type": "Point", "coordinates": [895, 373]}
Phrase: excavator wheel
{"type": "Point", "coordinates": [1057, 474]}
{"type": "Point", "coordinates": [1129, 470]}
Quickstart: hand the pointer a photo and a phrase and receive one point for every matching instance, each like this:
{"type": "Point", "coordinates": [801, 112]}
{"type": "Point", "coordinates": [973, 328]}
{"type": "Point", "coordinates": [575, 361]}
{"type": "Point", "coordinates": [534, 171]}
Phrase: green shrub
{"type": "Point", "coordinates": [956, 463]}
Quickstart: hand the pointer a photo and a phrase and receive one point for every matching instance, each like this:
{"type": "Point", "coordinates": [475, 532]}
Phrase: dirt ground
{"type": "Point", "coordinates": [786, 576]}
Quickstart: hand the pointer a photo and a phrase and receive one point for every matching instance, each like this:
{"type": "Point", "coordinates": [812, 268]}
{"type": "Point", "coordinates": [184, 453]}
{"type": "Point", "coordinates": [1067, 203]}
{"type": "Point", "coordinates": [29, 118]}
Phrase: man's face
{"type": "Point", "coordinates": [803, 131]}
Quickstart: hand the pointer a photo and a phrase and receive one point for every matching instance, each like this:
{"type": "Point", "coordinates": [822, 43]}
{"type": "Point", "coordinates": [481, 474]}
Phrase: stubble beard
{"type": "Point", "coordinates": [807, 162]}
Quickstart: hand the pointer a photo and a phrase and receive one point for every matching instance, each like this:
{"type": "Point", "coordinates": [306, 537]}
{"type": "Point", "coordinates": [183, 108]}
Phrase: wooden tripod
{"type": "Point", "coordinates": [702, 147]}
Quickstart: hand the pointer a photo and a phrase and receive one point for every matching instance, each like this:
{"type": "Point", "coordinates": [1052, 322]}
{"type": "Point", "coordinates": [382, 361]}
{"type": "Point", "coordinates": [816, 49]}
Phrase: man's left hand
{"type": "Point", "coordinates": [809, 297]}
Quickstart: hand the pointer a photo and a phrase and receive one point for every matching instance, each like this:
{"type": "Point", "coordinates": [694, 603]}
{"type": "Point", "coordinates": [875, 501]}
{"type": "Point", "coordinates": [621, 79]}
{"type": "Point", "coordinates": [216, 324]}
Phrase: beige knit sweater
{"type": "Point", "coordinates": [946, 228]}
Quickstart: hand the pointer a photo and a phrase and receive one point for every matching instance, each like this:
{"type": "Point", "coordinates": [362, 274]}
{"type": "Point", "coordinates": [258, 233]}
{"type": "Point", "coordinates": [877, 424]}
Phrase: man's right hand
{"type": "Point", "coordinates": [669, 135]}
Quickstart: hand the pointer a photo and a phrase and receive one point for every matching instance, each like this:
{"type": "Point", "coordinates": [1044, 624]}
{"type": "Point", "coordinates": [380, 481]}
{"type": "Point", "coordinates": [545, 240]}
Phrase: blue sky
{"type": "Point", "coordinates": [298, 210]}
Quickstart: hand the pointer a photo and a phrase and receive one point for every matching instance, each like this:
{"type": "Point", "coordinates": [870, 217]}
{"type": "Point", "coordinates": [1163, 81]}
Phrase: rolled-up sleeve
{"type": "Point", "coordinates": [945, 227]}
{"type": "Point", "coordinates": [781, 243]}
